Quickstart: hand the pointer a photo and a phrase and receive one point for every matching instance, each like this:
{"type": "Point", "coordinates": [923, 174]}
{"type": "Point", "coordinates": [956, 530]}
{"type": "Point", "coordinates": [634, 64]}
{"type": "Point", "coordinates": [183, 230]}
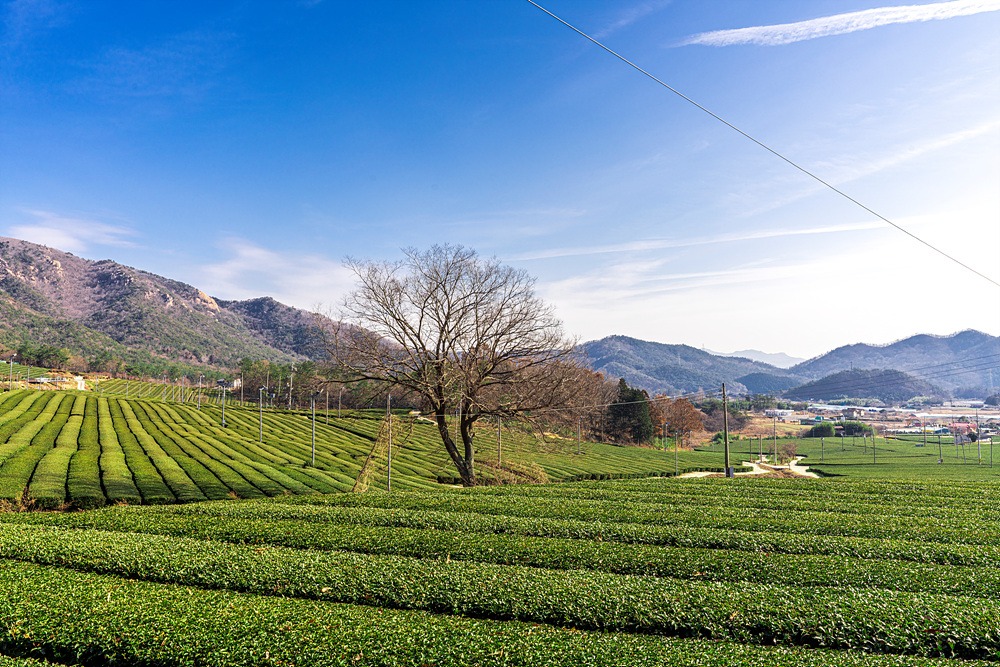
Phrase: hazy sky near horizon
{"type": "Point", "coordinates": [248, 147]}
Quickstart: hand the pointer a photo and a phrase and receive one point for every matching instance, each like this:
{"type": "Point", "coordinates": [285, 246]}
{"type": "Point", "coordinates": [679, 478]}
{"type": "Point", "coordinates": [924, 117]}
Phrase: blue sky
{"type": "Point", "coordinates": [249, 147]}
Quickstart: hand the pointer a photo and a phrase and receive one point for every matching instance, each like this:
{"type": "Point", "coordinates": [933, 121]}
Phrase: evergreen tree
{"type": "Point", "coordinates": [628, 417]}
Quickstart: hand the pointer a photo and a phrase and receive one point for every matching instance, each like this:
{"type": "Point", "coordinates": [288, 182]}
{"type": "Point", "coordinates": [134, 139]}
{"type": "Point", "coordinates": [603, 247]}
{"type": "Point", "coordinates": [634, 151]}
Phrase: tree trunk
{"type": "Point", "coordinates": [464, 464]}
{"type": "Point", "coordinates": [465, 429]}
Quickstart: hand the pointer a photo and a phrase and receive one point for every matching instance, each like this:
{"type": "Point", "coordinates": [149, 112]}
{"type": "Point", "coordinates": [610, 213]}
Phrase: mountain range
{"type": "Point", "coordinates": [101, 308]}
{"type": "Point", "coordinates": [964, 364]}
{"type": "Point", "coordinates": [779, 359]}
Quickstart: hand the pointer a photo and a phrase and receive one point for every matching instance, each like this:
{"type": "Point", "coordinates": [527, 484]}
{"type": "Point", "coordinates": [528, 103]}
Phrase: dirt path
{"type": "Point", "coordinates": [801, 471]}
{"type": "Point", "coordinates": [791, 470]}
{"type": "Point", "coordinates": [757, 470]}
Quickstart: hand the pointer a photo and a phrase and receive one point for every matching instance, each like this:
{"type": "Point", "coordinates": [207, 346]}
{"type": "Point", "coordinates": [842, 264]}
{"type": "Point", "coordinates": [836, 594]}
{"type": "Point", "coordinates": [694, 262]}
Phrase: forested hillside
{"type": "Point", "coordinates": [113, 315]}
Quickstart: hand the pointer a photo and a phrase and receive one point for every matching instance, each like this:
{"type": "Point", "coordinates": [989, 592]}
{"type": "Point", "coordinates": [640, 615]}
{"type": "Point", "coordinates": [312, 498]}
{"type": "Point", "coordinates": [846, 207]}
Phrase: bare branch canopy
{"type": "Point", "coordinates": [465, 333]}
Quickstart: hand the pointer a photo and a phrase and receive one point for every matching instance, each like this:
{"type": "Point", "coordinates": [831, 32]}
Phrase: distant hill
{"type": "Point", "coordinates": [779, 359]}
{"type": "Point", "coordinates": [768, 383]}
{"type": "Point", "coordinates": [888, 386]}
{"type": "Point", "coordinates": [102, 307]}
{"type": "Point", "coordinates": [960, 363]}
{"type": "Point", "coordinates": [671, 369]}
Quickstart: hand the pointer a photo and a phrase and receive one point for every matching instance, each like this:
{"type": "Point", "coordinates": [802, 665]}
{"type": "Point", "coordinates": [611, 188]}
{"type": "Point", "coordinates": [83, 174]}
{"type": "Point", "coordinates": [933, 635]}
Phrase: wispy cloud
{"type": "Point", "coordinates": [23, 19]}
{"type": "Point", "coordinates": [297, 279]}
{"type": "Point", "coordinates": [184, 66]}
{"type": "Point", "coordinates": [703, 301]}
{"type": "Point", "coordinates": [70, 234]}
{"type": "Point", "coordinates": [842, 24]}
{"type": "Point", "coordinates": [842, 170]}
{"type": "Point", "coordinates": [912, 152]}
{"type": "Point", "coordinates": [627, 283]}
{"type": "Point", "coordinates": [662, 244]}
{"type": "Point", "coordinates": [630, 15]}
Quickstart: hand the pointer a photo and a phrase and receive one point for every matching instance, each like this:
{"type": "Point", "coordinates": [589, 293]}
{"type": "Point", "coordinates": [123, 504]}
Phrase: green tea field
{"type": "Point", "coordinates": [620, 572]}
{"type": "Point", "coordinates": [84, 450]}
{"type": "Point", "coordinates": [205, 544]}
{"type": "Point", "coordinates": [895, 457]}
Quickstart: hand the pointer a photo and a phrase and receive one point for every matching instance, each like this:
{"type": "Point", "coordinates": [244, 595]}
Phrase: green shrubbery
{"type": "Point", "coordinates": [821, 430]}
{"type": "Point", "coordinates": [529, 572]}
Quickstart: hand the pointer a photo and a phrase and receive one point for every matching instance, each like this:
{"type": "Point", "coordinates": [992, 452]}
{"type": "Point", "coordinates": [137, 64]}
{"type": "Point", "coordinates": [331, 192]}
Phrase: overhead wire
{"type": "Point", "coordinates": [763, 145]}
{"type": "Point", "coordinates": [847, 385]}
{"type": "Point", "coordinates": [984, 362]}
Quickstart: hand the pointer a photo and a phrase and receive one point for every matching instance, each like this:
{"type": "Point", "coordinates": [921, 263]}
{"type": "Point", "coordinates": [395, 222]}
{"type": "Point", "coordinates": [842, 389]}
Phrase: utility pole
{"type": "Point", "coordinates": [579, 431]}
{"type": "Point", "coordinates": [222, 395]}
{"type": "Point", "coordinates": [199, 391]}
{"type": "Point", "coordinates": [388, 458]}
{"type": "Point", "coordinates": [499, 445]}
{"type": "Point", "coordinates": [327, 392]}
{"type": "Point", "coordinates": [923, 430]}
{"type": "Point", "coordinates": [260, 408]}
{"type": "Point", "coordinates": [979, 441]}
{"type": "Point", "coordinates": [291, 379]}
{"type": "Point", "coordinates": [774, 435]}
{"type": "Point", "coordinates": [312, 406]}
{"type": "Point", "coordinates": [339, 401]}
{"type": "Point", "coordinates": [725, 429]}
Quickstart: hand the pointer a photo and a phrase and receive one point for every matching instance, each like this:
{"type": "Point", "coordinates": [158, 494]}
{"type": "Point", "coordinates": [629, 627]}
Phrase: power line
{"type": "Point", "coordinates": [854, 383]}
{"type": "Point", "coordinates": [960, 367]}
{"type": "Point", "coordinates": [761, 144]}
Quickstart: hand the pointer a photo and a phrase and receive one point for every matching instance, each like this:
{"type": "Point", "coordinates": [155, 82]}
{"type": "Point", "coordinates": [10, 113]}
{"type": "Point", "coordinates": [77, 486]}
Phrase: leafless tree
{"type": "Point", "coordinates": [466, 334]}
{"type": "Point", "coordinates": [682, 417]}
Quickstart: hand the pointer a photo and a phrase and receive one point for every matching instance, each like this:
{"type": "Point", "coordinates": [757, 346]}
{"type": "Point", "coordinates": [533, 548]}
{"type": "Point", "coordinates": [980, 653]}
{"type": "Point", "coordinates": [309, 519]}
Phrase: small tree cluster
{"type": "Point", "coordinates": [683, 418]}
{"type": "Point", "coordinates": [712, 407]}
{"type": "Point", "coordinates": [628, 417]}
{"type": "Point", "coordinates": [48, 356]}
{"type": "Point", "coordinates": [821, 430]}
{"type": "Point", "coordinates": [857, 428]}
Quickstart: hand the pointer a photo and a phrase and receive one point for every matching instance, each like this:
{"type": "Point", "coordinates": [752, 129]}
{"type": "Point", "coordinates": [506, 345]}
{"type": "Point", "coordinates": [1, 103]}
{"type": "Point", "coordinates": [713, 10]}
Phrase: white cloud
{"type": "Point", "coordinates": [296, 279]}
{"type": "Point", "coordinates": [841, 24]}
{"type": "Point", "coordinates": [791, 186]}
{"type": "Point", "coordinates": [911, 152]}
{"type": "Point", "coordinates": [20, 20]}
{"type": "Point", "coordinates": [630, 16]}
{"type": "Point", "coordinates": [185, 67]}
{"type": "Point", "coordinates": [69, 234]}
{"type": "Point", "coordinates": [874, 291]}
{"type": "Point", "coordinates": [663, 244]}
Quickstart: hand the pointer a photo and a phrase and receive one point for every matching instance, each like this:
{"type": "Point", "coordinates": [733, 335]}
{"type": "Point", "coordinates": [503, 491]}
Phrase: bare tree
{"type": "Point", "coordinates": [682, 417]}
{"type": "Point", "coordinates": [466, 334]}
